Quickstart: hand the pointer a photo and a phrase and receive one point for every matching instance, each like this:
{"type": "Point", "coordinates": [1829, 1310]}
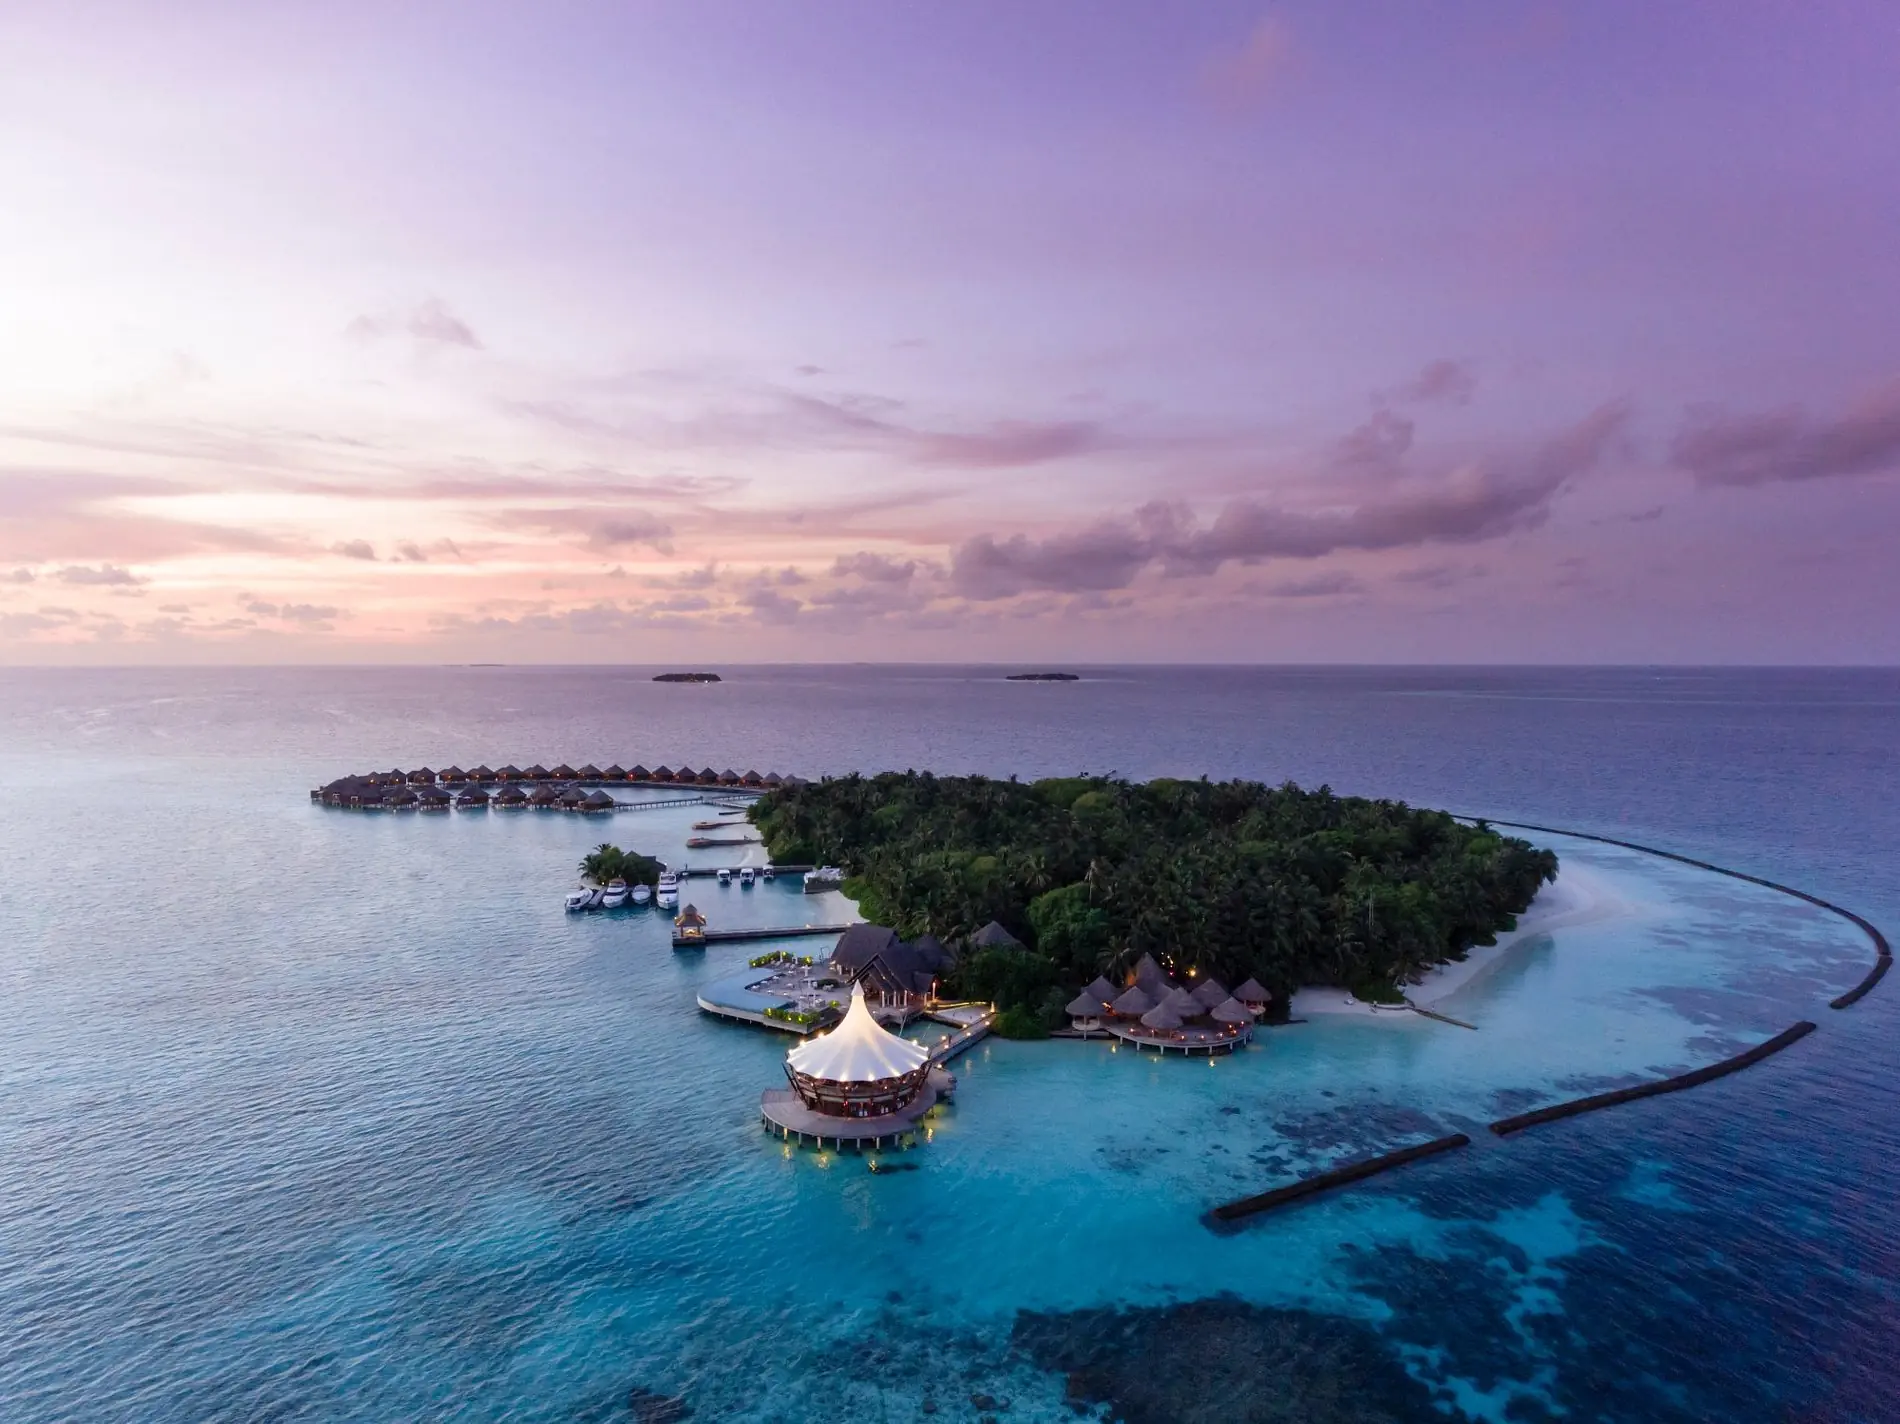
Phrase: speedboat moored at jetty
{"type": "Point", "coordinates": [725, 876]}
{"type": "Point", "coordinates": [642, 893]}
{"type": "Point", "coordinates": [581, 897]}
{"type": "Point", "coordinates": [825, 877]}
{"type": "Point", "coordinates": [745, 878]}
{"type": "Point", "coordinates": [615, 895]}
{"type": "Point", "coordinates": [768, 872]}
{"type": "Point", "coordinates": [669, 892]}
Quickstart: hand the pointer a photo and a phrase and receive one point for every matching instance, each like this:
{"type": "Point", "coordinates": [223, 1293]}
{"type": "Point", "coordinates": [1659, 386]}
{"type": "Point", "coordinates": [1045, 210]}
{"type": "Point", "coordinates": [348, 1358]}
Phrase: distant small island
{"type": "Point", "coordinates": [686, 677]}
{"type": "Point", "coordinates": [1044, 677]}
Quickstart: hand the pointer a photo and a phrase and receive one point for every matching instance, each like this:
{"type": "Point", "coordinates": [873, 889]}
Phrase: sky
{"type": "Point", "coordinates": [1011, 330]}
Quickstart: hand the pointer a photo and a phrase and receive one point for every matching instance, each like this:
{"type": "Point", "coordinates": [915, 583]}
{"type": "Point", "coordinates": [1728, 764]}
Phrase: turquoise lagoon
{"type": "Point", "coordinates": [311, 1115]}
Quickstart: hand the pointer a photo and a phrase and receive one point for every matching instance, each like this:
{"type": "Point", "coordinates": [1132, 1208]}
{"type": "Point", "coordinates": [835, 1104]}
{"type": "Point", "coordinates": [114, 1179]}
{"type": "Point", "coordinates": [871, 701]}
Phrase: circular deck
{"type": "Point", "coordinates": [784, 1112]}
{"type": "Point", "coordinates": [1183, 1040]}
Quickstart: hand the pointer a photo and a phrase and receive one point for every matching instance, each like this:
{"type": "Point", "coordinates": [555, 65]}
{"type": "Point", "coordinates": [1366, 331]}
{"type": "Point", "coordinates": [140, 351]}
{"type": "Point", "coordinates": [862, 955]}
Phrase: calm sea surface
{"type": "Point", "coordinates": [307, 1115]}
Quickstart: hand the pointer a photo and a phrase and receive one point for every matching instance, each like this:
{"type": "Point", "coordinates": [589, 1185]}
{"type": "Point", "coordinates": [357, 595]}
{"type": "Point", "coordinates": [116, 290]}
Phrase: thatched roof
{"type": "Point", "coordinates": [1151, 976]}
{"type": "Point", "coordinates": [752, 778]}
{"type": "Point", "coordinates": [689, 916]}
{"type": "Point", "coordinates": [564, 772]}
{"type": "Point", "coordinates": [640, 773]}
{"type": "Point", "coordinates": [1231, 1011]}
{"type": "Point", "coordinates": [590, 772]}
{"type": "Point", "coordinates": [994, 936]}
{"type": "Point", "coordinates": [474, 797]}
{"type": "Point", "coordinates": [1086, 1006]}
{"type": "Point", "coordinates": [484, 771]}
{"type": "Point", "coordinates": [511, 772]}
{"type": "Point", "coordinates": [543, 796]}
{"type": "Point", "coordinates": [1134, 1002]}
{"type": "Point", "coordinates": [616, 772]}
{"type": "Point", "coordinates": [573, 796]}
{"type": "Point", "coordinates": [599, 798]}
{"type": "Point", "coordinates": [661, 773]}
{"type": "Point", "coordinates": [709, 777]}
{"type": "Point", "coordinates": [540, 772]}
{"type": "Point", "coordinates": [1184, 1003]}
{"type": "Point", "coordinates": [512, 795]}
{"type": "Point", "coordinates": [1252, 993]}
{"type": "Point", "coordinates": [729, 777]}
{"type": "Point", "coordinates": [1208, 993]}
{"type": "Point", "coordinates": [1162, 1016]}
{"type": "Point", "coordinates": [1102, 990]}
{"type": "Point", "coordinates": [772, 778]}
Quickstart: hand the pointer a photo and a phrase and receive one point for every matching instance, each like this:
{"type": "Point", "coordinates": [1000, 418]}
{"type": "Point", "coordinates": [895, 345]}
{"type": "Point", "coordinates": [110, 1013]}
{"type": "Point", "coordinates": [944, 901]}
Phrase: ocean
{"type": "Point", "coordinates": [312, 1115]}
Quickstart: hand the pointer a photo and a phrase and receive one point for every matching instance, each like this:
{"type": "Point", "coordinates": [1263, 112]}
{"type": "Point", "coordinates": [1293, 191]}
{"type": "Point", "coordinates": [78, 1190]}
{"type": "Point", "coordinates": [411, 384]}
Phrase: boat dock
{"type": "Point", "coordinates": [712, 936]}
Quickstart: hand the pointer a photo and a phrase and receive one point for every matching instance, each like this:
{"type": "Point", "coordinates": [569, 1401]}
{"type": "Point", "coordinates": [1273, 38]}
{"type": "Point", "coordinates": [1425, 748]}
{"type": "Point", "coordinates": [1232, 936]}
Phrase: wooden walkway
{"type": "Point", "coordinates": [768, 932]}
{"type": "Point", "coordinates": [958, 1042]}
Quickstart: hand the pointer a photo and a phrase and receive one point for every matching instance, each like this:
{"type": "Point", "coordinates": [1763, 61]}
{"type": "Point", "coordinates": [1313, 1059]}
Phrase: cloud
{"type": "Point", "coordinates": [409, 552]}
{"type": "Point", "coordinates": [105, 576]}
{"type": "Point", "coordinates": [1473, 504]}
{"type": "Point", "coordinates": [627, 529]}
{"type": "Point", "coordinates": [432, 321]}
{"type": "Point", "coordinates": [1104, 555]}
{"type": "Point", "coordinates": [1325, 585]}
{"type": "Point", "coordinates": [354, 549]}
{"type": "Point", "coordinates": [874, 568]}
{"type": "Point", "coordinates": [1379, 446]}
{"type": "Point", "coordinates": [21, 576]}
{"type": "Point", "coordinates": [1718, 448]}
{"type": "Point", "coordinates": [1245, 76]}
{"type": "Point", "coordinates": [771, 606]}
{"type": "Point", "coordinates": [1442, 381]}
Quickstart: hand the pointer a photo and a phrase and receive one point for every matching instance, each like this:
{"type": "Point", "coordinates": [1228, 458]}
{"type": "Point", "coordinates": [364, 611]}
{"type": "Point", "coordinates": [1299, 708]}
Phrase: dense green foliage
{"type": "Point", "coordinates": [1233, 879]}
{"type": "Point", "coordinates": [605, 862]}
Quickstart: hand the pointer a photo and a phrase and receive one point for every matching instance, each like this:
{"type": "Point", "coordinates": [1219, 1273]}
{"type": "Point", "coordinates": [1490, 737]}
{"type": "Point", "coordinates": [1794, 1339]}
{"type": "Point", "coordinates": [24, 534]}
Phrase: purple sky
{"type": "Point", "coordinates": [1026, 332]}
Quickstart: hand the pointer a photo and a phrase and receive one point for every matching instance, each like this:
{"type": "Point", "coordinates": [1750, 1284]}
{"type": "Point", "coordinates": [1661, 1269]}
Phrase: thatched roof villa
{"type": "Point", "coordinates": [511, 798]}
{"type": "Point", "coordinates": [473, 799]}
{"type": "Point", "coordinates": [597, 801]}
{"type": "Point", "coordinates": [1156, 1012]}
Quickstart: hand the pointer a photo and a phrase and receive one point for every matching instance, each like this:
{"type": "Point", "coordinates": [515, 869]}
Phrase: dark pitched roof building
{"type": "Point", "coordinates": [876, 957]}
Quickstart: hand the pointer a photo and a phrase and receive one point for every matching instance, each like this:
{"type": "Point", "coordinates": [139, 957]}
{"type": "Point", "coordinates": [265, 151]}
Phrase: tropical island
{"type": "Point", "coordinates": [606, 863]}
{"type": "Point", "coordinates": [686, 677]}
{"type": "Point", "coordinates": [1043, 677]}
{"type": "Point", "coordinates": [1230, 880]}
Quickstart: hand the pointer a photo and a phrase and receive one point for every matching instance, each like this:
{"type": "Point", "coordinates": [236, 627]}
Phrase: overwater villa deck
{"type": "Point", "coordinates": [382, 790]}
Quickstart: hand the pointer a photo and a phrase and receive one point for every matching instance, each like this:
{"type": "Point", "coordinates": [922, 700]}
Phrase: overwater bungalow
{"type": "Point", "coordinates": [662, 773]}
{"type": "Point", "coordinates": [752, 778]}
{"type": "Point", "coordinates": [473, 799]}
{"type": "Point", "coordinates": [573, 799]}
{"type": "Point", "coordinates": [450, 775]}
{"type": "Point", "coordinates": [401, 800]}
{"type": "Point", "coordinates": [430, 799]}
{"type": "Point", "coordinates": [640, 773]}
{"type": "Point", "coordinates": [482, 773]}
{"type": "Point", "coordinates": [538, 772]}
{"type": "Point", "coordinates": [564, 772]}
{"type": "Point", "coordinates": [772, 778]}
{"type": "Point", "coordinates": [728, 777]}
{"type": "Point", "coordinates": [422, 776]}
{"type": "Point", "coordinates": [616, 772]}
{"type": "Point", "coordinates": [596, 801]}
{"type": "Point", "coordinates": [709, 777]}
{"type": "Point", "coordinates": [544, 798]}
{"type": "Point", "coordinates": [511, 772]}
{"type": "Point", "coordinates": [511, 798]}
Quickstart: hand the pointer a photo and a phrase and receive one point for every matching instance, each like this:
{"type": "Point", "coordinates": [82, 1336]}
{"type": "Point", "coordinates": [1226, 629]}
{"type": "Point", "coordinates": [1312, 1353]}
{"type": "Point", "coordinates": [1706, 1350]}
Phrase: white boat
{"type": "Point", "coordinates": [615, 895]}
{"type": "Point", "coordinates": [669, 892]}
{"type": "Point", "coordinates": [725, 876]}
{"type": "Point", "coordinates": [745, 878]}
{"type": "Point", "coordinates": [642, 893]}
{"type": "Point", "coordinates": [581, 897]}
{"type": "Point", "coordinates": [825, 877]}
{"type": "Point", "coordinates": [768, 872]}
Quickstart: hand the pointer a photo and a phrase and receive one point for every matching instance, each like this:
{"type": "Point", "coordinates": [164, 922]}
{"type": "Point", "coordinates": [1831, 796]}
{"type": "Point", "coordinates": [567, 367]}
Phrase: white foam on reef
{"type": "Point", "coordinates": [1580, 896]}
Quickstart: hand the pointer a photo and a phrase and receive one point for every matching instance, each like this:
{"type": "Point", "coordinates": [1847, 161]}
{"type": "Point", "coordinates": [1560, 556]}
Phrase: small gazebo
{"type": "Point", "coordinates": [1254, 996]}
{"type": "Point", "coordinates": [1087, 1009]}
{"type": "Point", "coordinates": [859, 1069]}
{"type": "Point", "coordinates": [689, 927]}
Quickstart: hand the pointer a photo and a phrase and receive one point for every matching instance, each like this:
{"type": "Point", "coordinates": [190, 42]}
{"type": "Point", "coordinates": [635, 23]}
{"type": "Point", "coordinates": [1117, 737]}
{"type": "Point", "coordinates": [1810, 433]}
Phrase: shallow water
{"type": "Point", "coordinates": [318, 1115]}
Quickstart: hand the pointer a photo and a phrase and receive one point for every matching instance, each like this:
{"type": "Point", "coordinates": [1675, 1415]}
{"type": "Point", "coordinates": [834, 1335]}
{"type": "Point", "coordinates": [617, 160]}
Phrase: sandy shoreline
{"type": "Point", "coordinates": [1580, 896]}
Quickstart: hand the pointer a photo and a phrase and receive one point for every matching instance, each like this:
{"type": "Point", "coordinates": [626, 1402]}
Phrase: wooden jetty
{"type": "Point", "coordinates": [712, 936]}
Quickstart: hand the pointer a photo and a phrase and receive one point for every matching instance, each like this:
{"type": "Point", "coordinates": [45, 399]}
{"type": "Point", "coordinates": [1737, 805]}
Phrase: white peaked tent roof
{"type": "Point", "coordinates": [1208, 993]}
{"type": "Point", "coordinates": [1232, 1011]}
{"type": "Point", "coordinates": [858, 1050]}
{"type": "Point", "coordinates": [1134, 1000]}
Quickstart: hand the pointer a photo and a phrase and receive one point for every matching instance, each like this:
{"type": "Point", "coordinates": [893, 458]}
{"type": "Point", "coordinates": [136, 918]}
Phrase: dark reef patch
{"type": "Point", "coordinates": [1222, 1361]}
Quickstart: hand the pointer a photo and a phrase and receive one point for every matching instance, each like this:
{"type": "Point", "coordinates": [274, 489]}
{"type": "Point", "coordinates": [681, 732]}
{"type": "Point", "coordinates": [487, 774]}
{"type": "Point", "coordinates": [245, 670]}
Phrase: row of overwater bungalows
{"type": "Point", "coordinates": [511, 788]}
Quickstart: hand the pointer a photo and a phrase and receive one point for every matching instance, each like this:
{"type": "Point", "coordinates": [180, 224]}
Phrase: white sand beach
{"type": "Point", "coordinates": [1579, 896]}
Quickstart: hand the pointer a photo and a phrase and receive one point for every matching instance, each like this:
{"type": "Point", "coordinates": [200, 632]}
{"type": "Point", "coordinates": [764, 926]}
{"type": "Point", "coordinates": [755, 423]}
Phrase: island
{"type": "Point", "coordinates": [1043, 677]}
{"type": "Point", "coordinates": [686, 677]}
{"type": "Point", "coordinates": [1035, 889]}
